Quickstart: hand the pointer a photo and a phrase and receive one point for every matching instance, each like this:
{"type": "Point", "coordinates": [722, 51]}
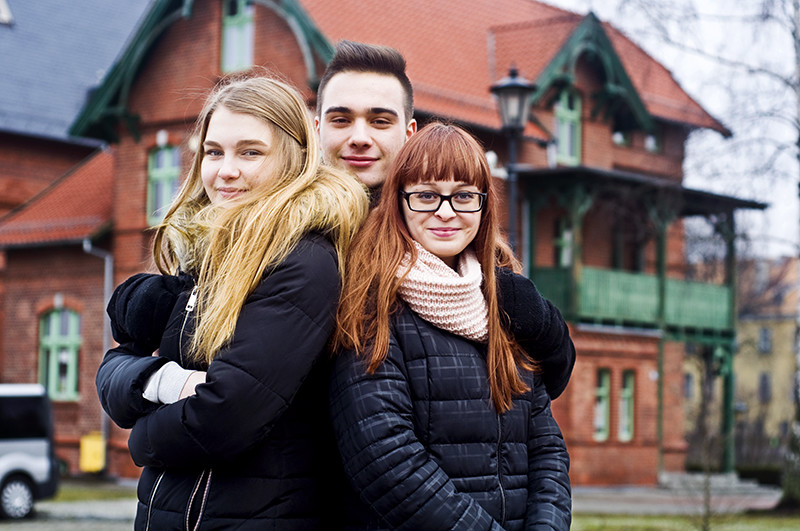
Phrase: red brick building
{"type": "Point", "coordinates": [600, 196]}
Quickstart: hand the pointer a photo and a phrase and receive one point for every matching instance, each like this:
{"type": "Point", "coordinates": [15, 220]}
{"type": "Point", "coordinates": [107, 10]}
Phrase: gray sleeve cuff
{"type": "Point", "coordinates": [164, 386]}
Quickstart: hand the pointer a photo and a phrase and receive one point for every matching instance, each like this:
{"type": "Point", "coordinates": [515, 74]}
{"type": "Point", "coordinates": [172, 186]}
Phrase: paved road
{"type": "Point", "coordinates": [117, 515]}
{"type": "Point", "coordinates": [111, 515]}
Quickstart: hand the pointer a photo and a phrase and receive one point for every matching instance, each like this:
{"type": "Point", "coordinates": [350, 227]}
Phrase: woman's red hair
{"type": "Point", "coordinates": [438, 152]}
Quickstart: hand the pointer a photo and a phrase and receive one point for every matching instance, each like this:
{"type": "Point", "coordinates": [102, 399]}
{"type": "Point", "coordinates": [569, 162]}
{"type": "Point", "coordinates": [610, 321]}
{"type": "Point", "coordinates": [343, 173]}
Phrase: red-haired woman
{"type": "Point", "coordinates": [440, 416]}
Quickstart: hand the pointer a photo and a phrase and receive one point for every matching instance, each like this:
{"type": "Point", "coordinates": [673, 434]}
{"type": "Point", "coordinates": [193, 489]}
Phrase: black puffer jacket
{"type": "Point", "coordinates": [424, 446]}
{"type": "Point", "coordinates": [252, 448]}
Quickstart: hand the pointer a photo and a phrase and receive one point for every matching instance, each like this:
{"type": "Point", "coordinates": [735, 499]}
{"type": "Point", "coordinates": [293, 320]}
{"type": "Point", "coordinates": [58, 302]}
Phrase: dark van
{"type": "Point", "coordinates": [28, 466]}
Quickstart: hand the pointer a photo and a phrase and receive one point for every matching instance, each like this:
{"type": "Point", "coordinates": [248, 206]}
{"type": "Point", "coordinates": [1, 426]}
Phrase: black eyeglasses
{"type": "Point", "coordinates": [431, 201]}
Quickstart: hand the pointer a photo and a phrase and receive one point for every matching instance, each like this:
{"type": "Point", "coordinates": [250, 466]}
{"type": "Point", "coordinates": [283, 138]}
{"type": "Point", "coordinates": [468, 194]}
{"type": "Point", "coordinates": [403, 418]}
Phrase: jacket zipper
{"type": "Point", "coordinates": [152, 499]}
{"type": "Point", "coordinates": [187, 312]}
{"type": "Point", "coordinates": [499, 473]}
{"type": "Point", "coordinates": [204, 482]}
{"type": "Point", "coordinates": [203, 503]}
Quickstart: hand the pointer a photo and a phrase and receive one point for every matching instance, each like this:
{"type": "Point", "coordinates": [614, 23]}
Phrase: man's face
{"type": "Point", "coordinates": [362, 124]}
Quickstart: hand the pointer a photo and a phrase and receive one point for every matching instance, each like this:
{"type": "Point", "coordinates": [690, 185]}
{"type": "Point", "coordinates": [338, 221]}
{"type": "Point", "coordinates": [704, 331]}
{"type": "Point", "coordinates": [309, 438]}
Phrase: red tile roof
{"type": "Point", "coordinates": [76, 206]}
{"type": "Point", "coordinates": [457, 49]}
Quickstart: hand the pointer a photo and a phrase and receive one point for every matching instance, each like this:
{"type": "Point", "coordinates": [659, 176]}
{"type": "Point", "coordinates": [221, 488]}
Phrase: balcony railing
{"type": "Point", "coordinates": [632, 299]}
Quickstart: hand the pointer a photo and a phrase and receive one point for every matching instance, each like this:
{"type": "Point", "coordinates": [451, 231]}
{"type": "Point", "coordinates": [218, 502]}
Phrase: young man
{"type": "Point", "coordinates": [364, 110]}
{"type": "Point", "coordinates": [365, 113]}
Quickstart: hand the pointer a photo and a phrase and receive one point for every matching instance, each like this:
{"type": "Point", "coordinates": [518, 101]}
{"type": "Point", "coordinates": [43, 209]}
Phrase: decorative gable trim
{"type": "Point", "coordinates": [618, 97]}
{"type": "Point", "coordinates": [108, 105]}
{"type": "Point", "coordinates": [308, 36]}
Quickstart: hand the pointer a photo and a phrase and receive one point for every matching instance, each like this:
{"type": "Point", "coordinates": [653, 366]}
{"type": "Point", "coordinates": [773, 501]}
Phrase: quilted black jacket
{"type": "Point", "coordinates": [252, 448]}
{"type": "Point", "coordinates": [424, 446]}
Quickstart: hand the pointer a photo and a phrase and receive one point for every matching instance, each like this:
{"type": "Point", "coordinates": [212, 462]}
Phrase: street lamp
{"type": "Point", "coordinates": [513, 95]}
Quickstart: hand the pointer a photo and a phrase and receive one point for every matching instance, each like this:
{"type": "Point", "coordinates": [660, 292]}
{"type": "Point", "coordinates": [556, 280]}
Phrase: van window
{"type": "Point", "coordinates": [24, 417]}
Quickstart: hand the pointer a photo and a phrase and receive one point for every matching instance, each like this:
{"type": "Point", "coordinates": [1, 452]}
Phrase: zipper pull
{"type": "Point", "coordinates": [192, 299]}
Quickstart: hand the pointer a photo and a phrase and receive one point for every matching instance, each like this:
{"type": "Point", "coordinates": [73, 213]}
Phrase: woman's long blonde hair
{"type": "Point", "coordinates": [438, 152]}
{"type": "Point", "coordinates": [230, 248]}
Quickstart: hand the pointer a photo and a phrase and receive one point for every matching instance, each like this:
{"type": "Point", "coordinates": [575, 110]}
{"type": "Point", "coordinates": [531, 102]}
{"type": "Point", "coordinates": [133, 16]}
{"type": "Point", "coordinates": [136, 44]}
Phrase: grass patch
{"type": "Point", "coordinates": [92, 489]}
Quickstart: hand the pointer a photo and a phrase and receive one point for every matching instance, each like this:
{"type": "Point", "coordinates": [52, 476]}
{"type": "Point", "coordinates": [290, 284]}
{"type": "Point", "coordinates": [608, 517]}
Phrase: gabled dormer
{"type": "Point", "coordinates": [616, 100]}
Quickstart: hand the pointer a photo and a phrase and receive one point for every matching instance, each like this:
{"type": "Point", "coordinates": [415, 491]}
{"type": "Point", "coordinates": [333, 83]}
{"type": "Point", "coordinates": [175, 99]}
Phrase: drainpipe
{"type": "Point", "coordinates": [728, 375]}
{"type": "Point", "coordinates": [108, 286]}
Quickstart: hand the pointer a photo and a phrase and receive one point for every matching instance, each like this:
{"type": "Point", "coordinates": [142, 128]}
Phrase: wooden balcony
{"type": "Point", "coordinates": [621, 298]}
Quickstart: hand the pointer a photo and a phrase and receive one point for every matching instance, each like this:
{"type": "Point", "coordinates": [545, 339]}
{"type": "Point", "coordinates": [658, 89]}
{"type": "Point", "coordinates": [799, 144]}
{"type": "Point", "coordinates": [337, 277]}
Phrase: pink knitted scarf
{"type": "Point", "coordinates": [449, 300]}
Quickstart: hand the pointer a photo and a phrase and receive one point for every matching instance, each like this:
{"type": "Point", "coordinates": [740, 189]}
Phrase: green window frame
{"type": "Point", "coordinates": [59, 346]}
{"type": "Point", "coordinates": [238, 35]}
{"type": "Point", "coordinates": [568, 128]}
{"type": "Point", "coordinates": [163, 175]}
{"type": "Point", "coordinates": [602, 405]}
{"type": "Point", "coordinates": [626, 406]}
{"type": "Point", "coordinates": [563, 242]}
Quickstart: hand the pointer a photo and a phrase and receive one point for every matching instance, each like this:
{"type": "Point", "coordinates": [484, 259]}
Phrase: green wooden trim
{"type": "Point", "coordinates": [580, 200]}
{"type": "Point", "coordinates": [568, 119]}
{"type": "Point", "coordinates": [110, 100]}
{"type": "Point", "coordinates": [236, 45]}
{"type": "Point", "coordinates": [55, 343]}
{"type": "Point", "coordinates": [626, 398]}
{"type": "Point", "coordinates": [108, 104]}
{"type": "Point", "coordinates": [161, 177]}
{"type": "Point", "coordinates": [693, 311]}
{"type": "Point", "coordinates": [534, 203]}
{"type": "Point", "coordinates": [602, 406]}
{"type": "Point", "coordinates": [317, 42]}
{"type": "Point", "coordinates": [618, 92]}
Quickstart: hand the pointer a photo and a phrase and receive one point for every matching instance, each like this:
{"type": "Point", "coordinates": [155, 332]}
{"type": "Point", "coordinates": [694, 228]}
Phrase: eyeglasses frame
{"type": "Point", "coordinates": [443, 198]}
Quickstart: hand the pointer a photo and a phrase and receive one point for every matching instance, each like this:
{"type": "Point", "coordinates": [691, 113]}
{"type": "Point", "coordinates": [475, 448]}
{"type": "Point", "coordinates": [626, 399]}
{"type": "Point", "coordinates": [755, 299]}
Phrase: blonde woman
{"type": "Point", "coordinates": [228, 419]}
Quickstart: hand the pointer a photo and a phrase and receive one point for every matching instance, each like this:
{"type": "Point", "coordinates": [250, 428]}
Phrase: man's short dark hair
{"type": "Point", "coordinates": [369, 58]}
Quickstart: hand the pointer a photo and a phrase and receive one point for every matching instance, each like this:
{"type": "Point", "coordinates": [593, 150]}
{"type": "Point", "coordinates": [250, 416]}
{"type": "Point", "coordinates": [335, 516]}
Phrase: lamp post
{"type": "Point", "coordinates": [513, 95]}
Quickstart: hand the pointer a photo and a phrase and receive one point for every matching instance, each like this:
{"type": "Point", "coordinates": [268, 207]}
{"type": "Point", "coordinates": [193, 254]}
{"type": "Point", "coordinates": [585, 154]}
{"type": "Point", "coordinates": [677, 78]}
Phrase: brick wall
{"type": "Point", "coordinates": [32, 279]}
{"type": "Point", "coordinates": [611, 461]}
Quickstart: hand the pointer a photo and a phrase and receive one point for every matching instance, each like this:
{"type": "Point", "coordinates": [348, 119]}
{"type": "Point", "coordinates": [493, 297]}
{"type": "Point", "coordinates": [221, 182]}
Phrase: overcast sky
{"type": "Point", "coordinates": [709, 83]}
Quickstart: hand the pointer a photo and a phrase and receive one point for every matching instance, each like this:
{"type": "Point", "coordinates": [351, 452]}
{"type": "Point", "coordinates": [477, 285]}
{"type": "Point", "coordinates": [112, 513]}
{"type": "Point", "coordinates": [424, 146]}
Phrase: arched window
{"type": "Point", "coordinates": [237, 35]}
{"type": "Point", "coordinates": [163, 175]}
{"type": "Point", "coordinates": [568, 128]}
{"type": "Point", "coordinates": [59, 344]}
